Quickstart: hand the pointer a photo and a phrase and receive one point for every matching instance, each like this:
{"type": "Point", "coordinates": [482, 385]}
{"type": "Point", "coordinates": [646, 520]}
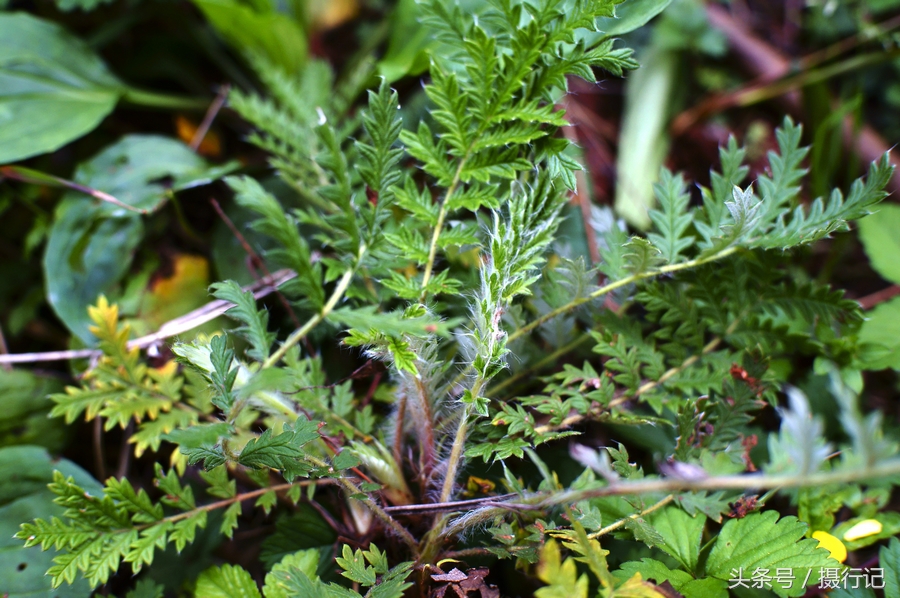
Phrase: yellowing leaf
{"type": "Point", "coordinates": [636, 587]}
{"type": "Point", "coordinates": [562, 577]}
{"type": "Point", "coordinates": [833, 545]}
{"type": "Point", "coordinates": [863, 529]}
{"type": "Point", "coordinates": [171, 296]}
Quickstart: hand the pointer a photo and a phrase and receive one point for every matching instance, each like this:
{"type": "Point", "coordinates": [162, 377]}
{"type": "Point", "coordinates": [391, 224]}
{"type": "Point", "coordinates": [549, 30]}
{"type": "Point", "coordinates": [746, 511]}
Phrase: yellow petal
{"type": "Point", "coordinates": [831, 544]}
{"type": "Point", "coordinates": [866, 527]}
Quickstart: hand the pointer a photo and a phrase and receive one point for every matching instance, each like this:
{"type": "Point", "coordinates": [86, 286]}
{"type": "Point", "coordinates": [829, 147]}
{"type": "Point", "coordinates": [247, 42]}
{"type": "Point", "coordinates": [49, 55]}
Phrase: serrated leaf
{"type": "Point", "coordinates": [345, 460]}
{"type": "Point", "coordinates": [282, 452]}
{"type": "Point", "coordinates": [762, 541]}
{"type": "Point", "coordinates": [355, 568]}
{"type": "Point", "coordinates": [682, 534]}
{"type": "Point", "coordinates": [227, 581]}
{"type": "Point", "coordinates": [889, 561]}
{"type": "Point", "coordinates": [255, 323]}
{"type": "Point", "coordinates": [562, 576]}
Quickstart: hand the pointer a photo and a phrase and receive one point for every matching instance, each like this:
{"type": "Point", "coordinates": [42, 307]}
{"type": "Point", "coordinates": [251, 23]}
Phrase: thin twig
{"type": "Point", "coordinates": [445, 507]}
{"type": "Point", "coordinates": [179, 325]}
{"type": "Point", "coordinates": [754, 481]}
{"type": "Point", "coordinates": [28, 175]}
{"type": "Point", "coordinates": [870, 301]}
{"type": "Point", "coordinates": [99, 460]}
{"type": "Point", "coordinates": [210, 116]}
{"type": "Point", "coordinates": [124, 451]}
{"type": "Point", "coordinates": [645, 387]}
{"type": "Point", "coordinates": [299, 334]}
{"type": "Point", "coordinates": [257, 259]}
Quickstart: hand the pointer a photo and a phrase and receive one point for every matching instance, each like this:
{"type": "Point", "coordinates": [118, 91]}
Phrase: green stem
{"type": "Point", "coordinates": [442, 215]}
{"type": "Point", "coordinates": [619, 284]}
{"type": "Point", "coordinates": [621, 522]}
{"type": "Point", "coordinates": [165, 101]}
{"type": "Point", "coordinates": [299, 334]}
{"type": "Point", "coordinates": [459, 441]}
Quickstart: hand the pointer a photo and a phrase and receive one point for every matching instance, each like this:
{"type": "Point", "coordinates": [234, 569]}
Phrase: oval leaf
{"type": "Point", "coordinates": [53, 88]}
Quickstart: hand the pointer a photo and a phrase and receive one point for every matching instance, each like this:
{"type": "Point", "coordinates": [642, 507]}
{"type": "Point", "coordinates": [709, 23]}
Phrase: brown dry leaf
{"type": "Point", "coordinates": [211, 146]}
{"type": "Point", "coordinates": [464, 585]}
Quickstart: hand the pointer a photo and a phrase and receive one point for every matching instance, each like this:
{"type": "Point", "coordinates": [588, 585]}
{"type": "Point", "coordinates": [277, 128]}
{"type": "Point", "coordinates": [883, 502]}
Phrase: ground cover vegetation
{"type": "Point", "coordinates": [426, 301]}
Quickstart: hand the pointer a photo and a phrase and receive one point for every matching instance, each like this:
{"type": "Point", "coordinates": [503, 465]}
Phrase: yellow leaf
{"type": "Point", "coordinates": [636, 587]}
{"type": "Point", "coordinates": [178, 293]}
{"type": "Point", "coordinates": [562, 577]}
{"type": "Point", "coordinates": [479, 486]}
{"type": "Point", "coordinates": [863, 529]}
{"type": "Point", "coordinates": [831, 544]}
{"type": "Point", "coordinates": [105, 316]}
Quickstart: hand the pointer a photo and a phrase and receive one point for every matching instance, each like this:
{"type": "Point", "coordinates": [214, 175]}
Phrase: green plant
{"type": "Point", "coordinates": [425, 249]}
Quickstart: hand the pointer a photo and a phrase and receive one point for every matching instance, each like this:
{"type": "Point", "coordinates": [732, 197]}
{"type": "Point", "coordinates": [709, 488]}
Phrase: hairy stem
{"type": "Point", "coordinates": [354, 490]}
{"type": "Point", "coordinates": [459, 440]}
{"type": "Point", "coordinates": [425, 433]}
{"type": "Point", "coordinates": [745, 482]}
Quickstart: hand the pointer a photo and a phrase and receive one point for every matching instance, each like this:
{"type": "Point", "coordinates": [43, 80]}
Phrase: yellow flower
{"type": "Point", "coordinates": [831, 544]}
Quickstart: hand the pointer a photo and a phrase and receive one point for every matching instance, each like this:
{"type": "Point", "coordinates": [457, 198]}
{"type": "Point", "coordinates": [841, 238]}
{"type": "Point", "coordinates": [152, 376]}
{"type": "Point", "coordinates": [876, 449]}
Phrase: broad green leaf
{"type": "Point", "coordinates": [227, 581]}
{"type": "Point", "coordinates": [140, 170]}
{"type": "Point", "coordinates": [881, 333]}
{"type": "Point", "coordinates": [146, 588]}
{"type": "Point", "coordinates": [25, 472]}
{"type": "Point", "coordinates": [643, 141]}
{"type": "Point", "coordinates": [23, 419]}
{"type": "Point", "coordinates": [889, 561]}
{"type": "Point", "coordinates": [53, 88]}
{"type": "Point", "coordinates": [90, 246]}
{"type": "Point", "coordinates": [631, 15]}
{"type": "Point", "coordinates": [878, 233]}
{"type": "Point", "coordinates": [761, 541]}
{"type": "Point", "coordinates": [249, 28]}
{"type": "Point", "coordinates": [407, 44]}
{"type": "Point", "coordinates": [682, 534]}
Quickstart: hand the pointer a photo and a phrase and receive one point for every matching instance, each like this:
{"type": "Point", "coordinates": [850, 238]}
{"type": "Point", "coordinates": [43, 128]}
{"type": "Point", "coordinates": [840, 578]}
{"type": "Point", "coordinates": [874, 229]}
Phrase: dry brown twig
{"type": "Point", "coordinates": [180, 325]}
